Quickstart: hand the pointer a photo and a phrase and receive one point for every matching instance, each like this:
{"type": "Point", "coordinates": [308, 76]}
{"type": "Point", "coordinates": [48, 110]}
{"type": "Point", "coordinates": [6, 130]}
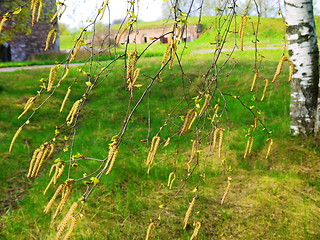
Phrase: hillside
{"type": "Point", "coordinates": [273, 197]}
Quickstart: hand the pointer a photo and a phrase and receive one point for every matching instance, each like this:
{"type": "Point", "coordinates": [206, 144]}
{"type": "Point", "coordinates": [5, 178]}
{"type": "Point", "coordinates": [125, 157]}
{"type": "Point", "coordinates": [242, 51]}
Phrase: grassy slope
{"type": "Point", "coordinates": [274, 198]}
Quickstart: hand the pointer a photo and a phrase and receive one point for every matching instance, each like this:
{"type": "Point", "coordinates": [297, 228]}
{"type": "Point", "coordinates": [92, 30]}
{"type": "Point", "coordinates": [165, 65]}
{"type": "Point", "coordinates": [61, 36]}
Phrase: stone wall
{"type": "Point", "coordinates": [23, 46]}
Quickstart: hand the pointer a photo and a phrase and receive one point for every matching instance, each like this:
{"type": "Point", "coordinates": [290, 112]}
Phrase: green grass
{"type": "Point", "coordinates": [274, 198]}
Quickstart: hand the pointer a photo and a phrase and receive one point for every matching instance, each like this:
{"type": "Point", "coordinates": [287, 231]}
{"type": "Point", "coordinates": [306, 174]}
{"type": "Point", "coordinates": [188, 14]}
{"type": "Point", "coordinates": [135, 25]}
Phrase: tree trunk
{"type": "Point", "coordinates": [304, 53]}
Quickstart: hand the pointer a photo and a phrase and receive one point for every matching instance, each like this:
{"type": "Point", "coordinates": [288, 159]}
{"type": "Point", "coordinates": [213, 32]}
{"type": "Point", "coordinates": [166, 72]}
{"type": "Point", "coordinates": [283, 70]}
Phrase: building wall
{"type": "Point", "coordinates": [190, 33]}
{"type": "Point", "coordinates": [24, 46]}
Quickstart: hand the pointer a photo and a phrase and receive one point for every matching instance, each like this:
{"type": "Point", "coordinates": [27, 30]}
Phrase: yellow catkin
{"type": "Point", "coordinates": [132, 80]}
{"type": "Point", "coordinates": [40, 155]}
{"type": "Point", "coordinates": [72, 112]}
{"type": "Point", "coordinates": [242, 26]}
{"type": "Point", "coordinates": [194, 150]}
{"type": "Point", "coordinates": [65, 195]}
{"type": "Point", "coordinates": [66, 219]}
{"type": "Point", "coordinates": [61, 9]}
{"type": "Point", "coordinates": [166, 144]}
{"type": "Point", "coordinates": [256, 75]}
{"type": "Point", "coordinates": [248, 147]}
{"type": "Point", "coordinates": [269, 147]}
{"type": "Point", "coordinates": [113, 159]}
{"type": "Point", "coordinates": [70, 229]}
{"type": "Point", "coordinates": [153, 149]}
{"type": "Point", "coordinates": [103, 8]}
{"type": "Point", "coordinates": [49, 36]}
{"type": "Point", "coordinates": [36, 163]}
{"type": "Point", "coordinates": [188, 213]}
{"type": "Point", "coordinates": [39, 10]}
{"type": "Point", "coordinates": [136, 74]}
{"type": "Point", "coordinates": [255, 123]}
{"type": "Point", "coordinates": [170, 52]}
{"type": "Point", "coordinates": [191, 116]}
{"type": "Point", "coordinates": [27, 106]}
{"type": "Point", "coordinates": [171, 178]}
{"type": "Point", "coordinates": [279, 68]}
{"type": "Point", "coordinates": [220, 143]}
{"type": "Point", "coordinates": [66, 72]}
{"type": "Point", "coordinates": [34, 160]}
{"type": "Point", "coordinates": [173, 51]}
{"type": "Point", "coordinates": [264, 90]}
{"type": "Point", "coordinates": [77, 47]}
{"type": "Point", "coordinates": [55, 195]}
{"type": "Point", "coordinates": [214, 137]}
{"type": "Point", "coordinates": [131, 63]}
{"type": "Point", "coordinates": [196, 230]}
{"type": "Point", "coordinates": [205, 104]}
{"type": "Point", "coordinates": [32, 5]}
{"type": "Point", "coordinates": [150, 230]}
{"type": "Point", "coordinates": [65, 99]}
{"type": "Point", "coordinates": [52, 77]}
{"type": "Point", "coordinates": [33, 11]}
{"type": "Point", "coordinates": [14, 138]}
{"type": "Point", "coordinates": [226, 191]}
{"type": "Point", "coordinates": [49, 148]}
{"type": "Point", "coordinates": [215, 114]}
{"type": "Point", "coordinates": [291, 69]}
{"type": "Point", "coordinates": [3, 21]}
{"type": "Point", "coordinates": [46, 153]}
{"type": "Point", "coordinates": [59, 168]}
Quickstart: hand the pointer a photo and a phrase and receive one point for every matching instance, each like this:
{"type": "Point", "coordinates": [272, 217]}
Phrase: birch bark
{"type": "Point", "coordinates": [304, 53]}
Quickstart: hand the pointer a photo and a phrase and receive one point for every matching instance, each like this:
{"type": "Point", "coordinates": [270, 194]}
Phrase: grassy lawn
{"type": "Point", "coordinates": [269, 198]}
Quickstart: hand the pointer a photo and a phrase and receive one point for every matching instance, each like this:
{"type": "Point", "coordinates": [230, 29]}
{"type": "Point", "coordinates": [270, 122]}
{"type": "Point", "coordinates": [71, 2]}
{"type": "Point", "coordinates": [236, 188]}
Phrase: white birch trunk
{"type": "Point", "coordinates": [304, 53]}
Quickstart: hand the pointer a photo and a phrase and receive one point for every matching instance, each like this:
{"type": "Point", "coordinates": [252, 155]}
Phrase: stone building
{"type": "Point", "coordinates": [146, 35]}
{"type": "Point", "coordinates": [23, 46]}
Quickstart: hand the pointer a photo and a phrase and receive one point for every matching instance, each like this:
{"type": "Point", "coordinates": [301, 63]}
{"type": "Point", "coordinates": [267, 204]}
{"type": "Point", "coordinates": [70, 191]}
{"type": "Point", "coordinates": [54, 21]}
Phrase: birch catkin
{"type": "Point", "coordinates": [205, 104]}
{"type": "Point", "coordinates": [59, 167]}
{"type": "Point", "coordinates": [196, 230]}
{"type": "Point", "coordinates": [65, 99]}
{"type": "Point", "coordinates": [14, 138]}
{"type": "Point", "coordinates": [103, 8]}
{"type": "Point", "coordinates": [36, 7]}
{"type": "Point", "coordinates": [51, 32]}
{"type": "Point", "coordinates": [269, 147]}
{"type": "Point", "coordinates": [150, 230]}
{"type": "Point", "coordinates": [27, 106]}
{"type": "Point", "coordinates": [3, 20]}
{"type": "Point", "coordinates": [256, 74]}
{"type": "Point", "coordinates": [73, 112]}
{"type": "Point", "coordinates": [77, 47]}
{"type": "Point", "coordinates": [39, 156]}
{"type": "Point", "coordinates": [188, 213]}
{"type": "Point", "coordinates": [69, 216]}
{"type": "Point", "coordinates": [153, 149]}
{"type": "Point", "coordinates": [248, 146]}
{"type": "Point", "coordinates": [226, 191]}
{"type": "Point", "coordinates": [191, 116]}
{"type": "Point", "coordinates": [242, 26]}
{"type": "Point", "coordinates": [65, 195]}
{"type": "Point", "coordinates": [55, 195]}
{"type": "Point", "coordinates": [279, 68]}
{"type": "Point", "coordinates": [171, 178]}
{"type": "Point", "coordinates": [264, 90]}
{"type": "Point", "coordinates": [52, 77]}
